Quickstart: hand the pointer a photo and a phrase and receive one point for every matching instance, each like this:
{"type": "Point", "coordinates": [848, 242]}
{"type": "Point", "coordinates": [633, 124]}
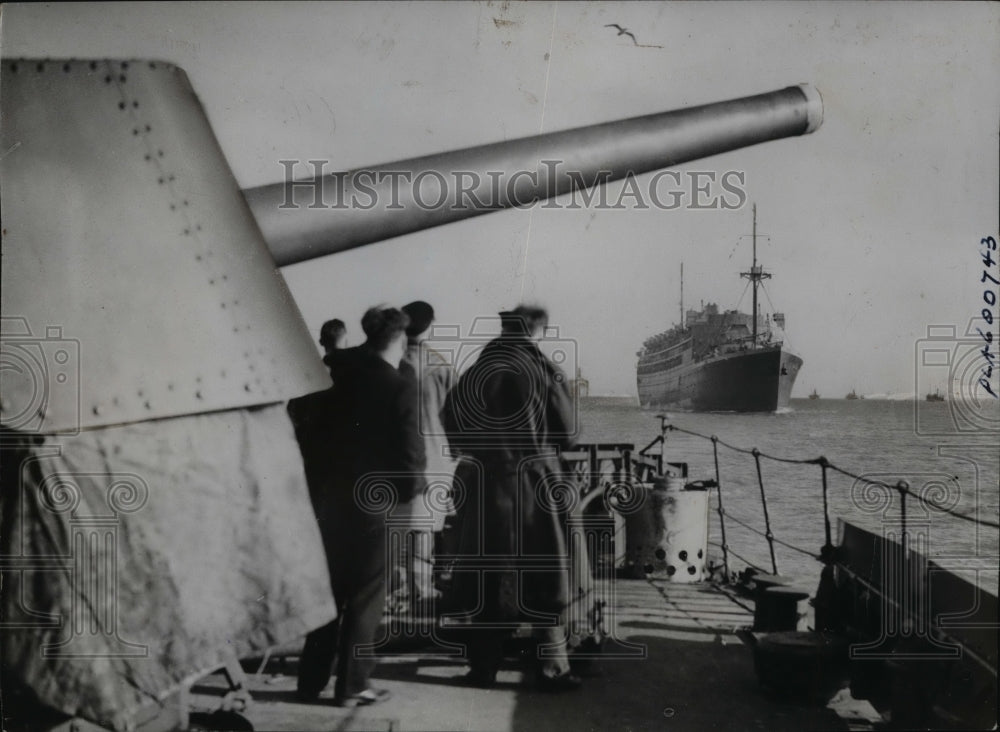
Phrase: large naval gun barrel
{"type": "Point", "coordinates": [310, 218]}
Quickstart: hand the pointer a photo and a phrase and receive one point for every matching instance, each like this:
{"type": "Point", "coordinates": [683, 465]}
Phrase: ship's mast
{"type": "Point", "coordinates": [682, 294]}
{"type": "Point", "coordinates": [755, 275]}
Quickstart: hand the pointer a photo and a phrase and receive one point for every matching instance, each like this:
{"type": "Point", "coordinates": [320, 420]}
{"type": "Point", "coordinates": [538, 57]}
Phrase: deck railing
{"type": "Point", "coordinates": [901, 487]}
{"type": "Point", "coordinates": [594, 467]}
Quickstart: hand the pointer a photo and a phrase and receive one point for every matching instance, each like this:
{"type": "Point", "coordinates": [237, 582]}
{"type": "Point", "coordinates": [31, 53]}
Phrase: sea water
{"type": "Point", "coordinates": [945, 451]}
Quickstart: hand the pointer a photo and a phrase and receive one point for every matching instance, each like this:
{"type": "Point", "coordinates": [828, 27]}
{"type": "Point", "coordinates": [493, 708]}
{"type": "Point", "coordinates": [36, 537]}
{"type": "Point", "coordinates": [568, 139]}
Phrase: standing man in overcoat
{"type": "Point", "coordinates": [507, 417]}
{"type": "Point", "coordinates": [435, 378]}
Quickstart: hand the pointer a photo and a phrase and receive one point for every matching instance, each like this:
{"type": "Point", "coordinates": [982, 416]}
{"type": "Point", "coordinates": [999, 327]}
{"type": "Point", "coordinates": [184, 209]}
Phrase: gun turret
{"type": "Point", "coordinates": [129, 246]}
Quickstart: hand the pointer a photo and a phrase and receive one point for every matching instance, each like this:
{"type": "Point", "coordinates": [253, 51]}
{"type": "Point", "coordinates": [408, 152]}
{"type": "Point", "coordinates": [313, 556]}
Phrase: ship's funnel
{"type": "Point", "coordinates": [335, 212]}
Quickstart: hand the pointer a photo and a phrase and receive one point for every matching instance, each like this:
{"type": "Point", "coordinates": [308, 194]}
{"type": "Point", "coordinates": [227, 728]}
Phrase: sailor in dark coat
{"type": "Point", "coordinates": [376, 453]}
{"type": "Point", "coordinates": [506, 417]}
{"type": "Point", "coordinates": [318, 419]}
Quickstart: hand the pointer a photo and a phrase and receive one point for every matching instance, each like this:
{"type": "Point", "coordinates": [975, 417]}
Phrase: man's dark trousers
{"type": "Point", "coordinates": [357, 574]}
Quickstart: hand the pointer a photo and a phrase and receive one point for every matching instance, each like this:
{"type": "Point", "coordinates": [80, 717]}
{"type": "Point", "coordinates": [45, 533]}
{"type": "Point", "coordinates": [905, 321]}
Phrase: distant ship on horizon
{"type": "Point", "coordinates": [814, 395]}
{"type": "Point", "coordinates": [579, 387]}
{"type": "Point", "coordinates": [937, 396]}
{"type": "Point", "coordinates": [719, 361]}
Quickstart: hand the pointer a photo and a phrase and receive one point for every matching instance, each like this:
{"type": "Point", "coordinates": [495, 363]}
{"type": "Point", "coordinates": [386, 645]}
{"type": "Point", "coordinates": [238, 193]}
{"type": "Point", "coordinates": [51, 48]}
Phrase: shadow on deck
{"type": "Point", "coordinates": [694, 674]}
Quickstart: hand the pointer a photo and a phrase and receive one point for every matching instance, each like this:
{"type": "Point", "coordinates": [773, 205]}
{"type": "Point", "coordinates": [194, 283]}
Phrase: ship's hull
{"type": "Point", "coordinates": [747, 381]}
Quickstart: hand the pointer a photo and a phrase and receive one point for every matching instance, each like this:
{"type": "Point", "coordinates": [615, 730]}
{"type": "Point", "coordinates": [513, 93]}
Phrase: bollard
{"type": "Point", "coordinates": [668, 536]}
{"type": "Point", "coordinates": [780, 608]}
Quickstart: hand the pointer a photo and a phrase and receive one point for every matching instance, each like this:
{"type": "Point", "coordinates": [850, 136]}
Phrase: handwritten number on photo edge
{"type": "Point", "coordinates": [990, 298]}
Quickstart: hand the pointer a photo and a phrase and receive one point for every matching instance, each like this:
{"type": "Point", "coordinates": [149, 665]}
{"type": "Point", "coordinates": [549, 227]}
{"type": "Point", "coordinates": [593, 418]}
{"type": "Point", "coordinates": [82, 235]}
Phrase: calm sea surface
{"type": "Point", "coordinates": [945, 451]}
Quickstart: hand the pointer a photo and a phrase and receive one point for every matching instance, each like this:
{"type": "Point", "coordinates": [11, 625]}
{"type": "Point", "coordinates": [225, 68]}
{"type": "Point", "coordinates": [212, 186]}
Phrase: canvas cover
{"type": "Point", "coordinates": [140, 556]}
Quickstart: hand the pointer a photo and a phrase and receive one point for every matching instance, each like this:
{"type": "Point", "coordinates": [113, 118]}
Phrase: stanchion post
{"type": "Point", "coordinates": [721, 510]}
{"type": "Point", "coordinates": [767, 518]}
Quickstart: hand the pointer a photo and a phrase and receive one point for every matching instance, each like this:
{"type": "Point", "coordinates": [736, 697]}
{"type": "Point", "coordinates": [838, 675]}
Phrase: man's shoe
{"type": "Point", "coordinates": [363, 698]}
{"type": "Point", "coordinates": [557, 684]}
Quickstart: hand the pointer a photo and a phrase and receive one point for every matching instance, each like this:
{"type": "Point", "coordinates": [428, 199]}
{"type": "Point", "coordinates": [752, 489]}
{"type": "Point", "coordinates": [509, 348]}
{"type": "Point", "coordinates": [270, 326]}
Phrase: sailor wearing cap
{"type": "Point", "coordinates": [507, 416]}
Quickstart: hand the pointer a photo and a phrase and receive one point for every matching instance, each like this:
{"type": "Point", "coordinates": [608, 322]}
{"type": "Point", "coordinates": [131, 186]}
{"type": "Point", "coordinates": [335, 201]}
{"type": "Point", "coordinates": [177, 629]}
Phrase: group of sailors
{"type": "Point", "coordinates": [397, 435]}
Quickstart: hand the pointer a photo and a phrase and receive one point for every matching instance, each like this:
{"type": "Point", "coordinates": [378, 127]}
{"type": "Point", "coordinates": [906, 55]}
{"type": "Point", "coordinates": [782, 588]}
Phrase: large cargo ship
{"type": "Point", "coordinates": [720, 361]}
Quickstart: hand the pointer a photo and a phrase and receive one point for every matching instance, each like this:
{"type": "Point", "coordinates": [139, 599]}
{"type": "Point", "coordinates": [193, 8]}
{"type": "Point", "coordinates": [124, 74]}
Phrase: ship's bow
{"type": "Point", "coordinates": [790, 365]}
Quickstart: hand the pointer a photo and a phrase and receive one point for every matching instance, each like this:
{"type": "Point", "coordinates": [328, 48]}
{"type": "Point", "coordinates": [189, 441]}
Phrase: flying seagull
{"type": "Point", "coordinates": [623, 32]}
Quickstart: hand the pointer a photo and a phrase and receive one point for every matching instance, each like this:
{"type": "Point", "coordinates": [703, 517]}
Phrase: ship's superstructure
{"type": "Point", "coordinates": [720, 361]}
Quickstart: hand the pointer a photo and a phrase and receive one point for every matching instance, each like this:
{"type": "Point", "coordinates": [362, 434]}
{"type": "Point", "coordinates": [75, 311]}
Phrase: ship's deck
{"type": "Point", "coordinates": [697, 674]}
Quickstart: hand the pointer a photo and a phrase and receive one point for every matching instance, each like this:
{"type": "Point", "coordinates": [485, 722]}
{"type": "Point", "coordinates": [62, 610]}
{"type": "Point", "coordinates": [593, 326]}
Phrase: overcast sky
{"type": "Point", "coordinates": [872, 223]}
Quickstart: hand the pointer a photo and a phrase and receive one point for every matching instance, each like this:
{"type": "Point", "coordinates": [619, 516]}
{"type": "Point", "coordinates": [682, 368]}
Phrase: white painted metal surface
{"type": "Point", "coordinates": [136, 284]}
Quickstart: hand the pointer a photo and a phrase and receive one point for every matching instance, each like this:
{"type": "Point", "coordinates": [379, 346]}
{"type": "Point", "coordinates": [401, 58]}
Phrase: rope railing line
{"type": "Point", "coordinates": [745, 525]}
{"type": "Point", "coordinates": [748, 562]}
{"type": "Point", "coordinates": [952, 512]}
{"type": "Point", "coordinates": [758, 532]}
{"type": "Point", "coordinates": [745, 451]}
{"type": "Point", "coordinates": [905, 490]}
{"type": "Point", "coordinates": [825, 464]}
{"type": "Point", "coordinates": [870, 481]}
{"type": "Point", "coordinates": [799, 549]}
